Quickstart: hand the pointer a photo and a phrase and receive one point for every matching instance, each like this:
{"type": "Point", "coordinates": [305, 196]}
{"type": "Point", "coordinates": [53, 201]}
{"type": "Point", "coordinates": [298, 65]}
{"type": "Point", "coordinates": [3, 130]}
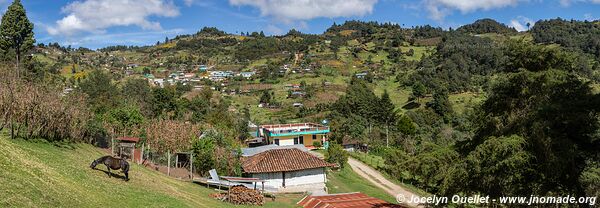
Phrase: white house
{"type": "Point", "coordinates": [287, 170]}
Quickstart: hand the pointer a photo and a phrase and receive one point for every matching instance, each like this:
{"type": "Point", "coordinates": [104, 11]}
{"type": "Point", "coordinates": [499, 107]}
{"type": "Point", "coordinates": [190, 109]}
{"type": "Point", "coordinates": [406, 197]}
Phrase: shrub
{"type": "Point", "coordinates": [317, 144]}
{"type": "Point", "coordinates": [336, 154]}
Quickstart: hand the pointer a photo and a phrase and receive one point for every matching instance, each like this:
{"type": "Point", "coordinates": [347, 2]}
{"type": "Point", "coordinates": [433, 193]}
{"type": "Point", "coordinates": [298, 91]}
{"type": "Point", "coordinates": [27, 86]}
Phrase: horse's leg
{"type": "Point", "coordinates": [125, 168]}
{"type": "Point", "coordinates": [108, 168]}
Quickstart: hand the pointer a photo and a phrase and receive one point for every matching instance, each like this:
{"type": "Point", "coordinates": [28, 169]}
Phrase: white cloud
{"type": "Point", "coordinates": [569, 2]}
{"type": "Point", "coordinates": [289, 10]}
{"type": "Point", "coordinates": [438, 9]}
{"type": "Point", "coordinates": [97, 15]}
{"type": "Point", "coordinates": [520, 23]}
{"type": "Point", "coordinates": [188, 2]}
{"type": "Point", "coordinates": [589, 17]}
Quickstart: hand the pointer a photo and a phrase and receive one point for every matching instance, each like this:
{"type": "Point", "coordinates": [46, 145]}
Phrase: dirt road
{"type": "Point", "coordinates": [379, 180]}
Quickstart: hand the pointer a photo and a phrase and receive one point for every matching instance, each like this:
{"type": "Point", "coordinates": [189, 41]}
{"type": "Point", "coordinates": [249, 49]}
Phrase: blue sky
{"type": "Point", "coordinates": [99, 23]}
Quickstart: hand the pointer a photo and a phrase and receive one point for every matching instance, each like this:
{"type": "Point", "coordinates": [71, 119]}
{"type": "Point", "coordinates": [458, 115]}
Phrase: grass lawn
{"type": "Point", "coordinates": [46, 175]}
{"type": "Point", "coordinates": [346, 180]}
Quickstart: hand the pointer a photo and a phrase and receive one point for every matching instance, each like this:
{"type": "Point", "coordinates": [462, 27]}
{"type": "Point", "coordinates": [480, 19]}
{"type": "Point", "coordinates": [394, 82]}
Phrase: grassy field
{"type": "Point", "coordinates": [346, 180]}
{"type": "Point", "coordinates": [46, 175]}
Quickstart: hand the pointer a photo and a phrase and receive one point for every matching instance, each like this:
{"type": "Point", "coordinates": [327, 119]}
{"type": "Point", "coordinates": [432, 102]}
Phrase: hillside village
{"type": "Point", "coordinates": [357, 116]}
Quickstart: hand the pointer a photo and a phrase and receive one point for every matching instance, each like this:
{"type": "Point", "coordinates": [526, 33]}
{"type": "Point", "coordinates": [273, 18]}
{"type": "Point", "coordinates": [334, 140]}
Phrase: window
{"type": "Point", "coordinates": [276, 141]}
{"type": "Point", "coordinates": [314, 137]}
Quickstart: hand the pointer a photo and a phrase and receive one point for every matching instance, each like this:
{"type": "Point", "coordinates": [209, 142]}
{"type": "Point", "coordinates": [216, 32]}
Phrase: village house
{"type": "Point", "coordinates": [287, 170]}
{"type": "Point", "coordinates": [293, 86]}
{"type": "Point", "coordinates": [202, 68]}
{"type": "Point", "coordinates": [292, 134]}
{"type": "Point", "coordinates": [220, 75]}
{"type": "Point", "coordinates": [189, 76]}
{"type": "Point", "coordinates": [247, 75]}
{"type": "Point", "coordinates": [362, 75]}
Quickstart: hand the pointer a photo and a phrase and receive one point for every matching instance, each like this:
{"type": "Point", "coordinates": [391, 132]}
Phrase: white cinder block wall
{"type": "Point", "coordinates": [295, 178]}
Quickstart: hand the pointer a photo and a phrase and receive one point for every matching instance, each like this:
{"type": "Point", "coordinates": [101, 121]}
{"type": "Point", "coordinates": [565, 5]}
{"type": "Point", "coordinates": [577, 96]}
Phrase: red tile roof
{"type": "Point", "coordinates": [346, 200]}
{"type": "Point", "coordinates": [282, 160]}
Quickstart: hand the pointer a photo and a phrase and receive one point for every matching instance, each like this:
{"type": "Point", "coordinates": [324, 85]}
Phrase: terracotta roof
{"type": "Point", "coordinates": [346, 200]}
{"type": "Point", "coordinates": [129, 139]}
{"type": "Point", "coordinates": [282, 160]}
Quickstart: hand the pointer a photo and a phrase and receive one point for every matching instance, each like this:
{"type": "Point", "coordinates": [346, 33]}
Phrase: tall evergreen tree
{"type": "Point", "coordinates": [16, 31]}
{"type": "Point", "coordinates": [387, 113]}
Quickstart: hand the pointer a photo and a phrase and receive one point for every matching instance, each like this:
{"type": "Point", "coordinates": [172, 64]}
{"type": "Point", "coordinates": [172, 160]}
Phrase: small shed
{"type": "Point", "coordinates": [125, 148]}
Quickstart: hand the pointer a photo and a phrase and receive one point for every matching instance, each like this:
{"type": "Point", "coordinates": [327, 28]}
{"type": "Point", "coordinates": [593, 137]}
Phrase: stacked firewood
{"type": "Point", "coordinates": [240, 195]}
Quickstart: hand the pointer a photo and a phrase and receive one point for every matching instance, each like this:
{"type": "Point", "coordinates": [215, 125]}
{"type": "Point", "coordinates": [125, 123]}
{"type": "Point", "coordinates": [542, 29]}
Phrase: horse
{"type": "Point", "coordinates": [112, 163]}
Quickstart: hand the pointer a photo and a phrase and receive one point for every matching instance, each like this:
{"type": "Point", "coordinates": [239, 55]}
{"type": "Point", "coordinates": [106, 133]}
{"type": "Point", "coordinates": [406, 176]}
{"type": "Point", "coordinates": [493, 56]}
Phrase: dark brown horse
{"type": "Point", "coordinates": [112, 163]}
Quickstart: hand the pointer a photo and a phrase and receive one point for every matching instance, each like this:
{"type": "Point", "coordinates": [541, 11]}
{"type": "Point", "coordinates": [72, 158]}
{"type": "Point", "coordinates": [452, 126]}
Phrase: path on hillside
{"type": "Point", "coordinates": [379, 180]}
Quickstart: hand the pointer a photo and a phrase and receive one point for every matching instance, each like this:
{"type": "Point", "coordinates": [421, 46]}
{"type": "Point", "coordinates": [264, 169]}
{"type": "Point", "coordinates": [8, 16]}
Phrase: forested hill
{"type": "Point", "coordinates": [483, 26]}
{"type": "Point", "coordinates": [478, 110]}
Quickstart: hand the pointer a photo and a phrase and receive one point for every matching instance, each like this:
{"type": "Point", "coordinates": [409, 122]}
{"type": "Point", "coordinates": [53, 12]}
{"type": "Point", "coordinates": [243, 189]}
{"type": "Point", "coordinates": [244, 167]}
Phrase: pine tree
{"type": "Point", "coordinates": [387, 109]}
{"type": "Point", "coordinates": [387, 113]}
{"type": "Point", "coordinates": [16, 31]}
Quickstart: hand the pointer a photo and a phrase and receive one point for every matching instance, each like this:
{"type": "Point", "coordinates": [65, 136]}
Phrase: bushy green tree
{"type": "Point", "coordinates": [164, 101]}
{"type": "Point", "coordinates": [336, 154]}
{"type": "Point", "coordinates": [501, 166]}
{"type": "Point", "coordinates": [16, 31]}
{"type": "Point", "coordinates": [555, 112]}
{"type": "Point", "coordinates": [440, 103]}
{"type": "Point", "coordinates": [406, 126]}
{"type": "Point", "coordinates": [138, 92]}
{"type": "Point", "coordinates": [103, 94]}
{"type": "Point", "coordinates": [418, 91]}
{"type": "Point", "coordinates": [124, 119]}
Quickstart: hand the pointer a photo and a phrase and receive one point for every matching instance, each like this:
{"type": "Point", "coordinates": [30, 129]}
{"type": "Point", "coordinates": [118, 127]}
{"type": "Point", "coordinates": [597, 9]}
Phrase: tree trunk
{"type": "Point", "coordinates": [18, 52]}
{"type": "Point", "coordinates": [387, 134]}
{"type": "Point", "coordinates": [12, 128]}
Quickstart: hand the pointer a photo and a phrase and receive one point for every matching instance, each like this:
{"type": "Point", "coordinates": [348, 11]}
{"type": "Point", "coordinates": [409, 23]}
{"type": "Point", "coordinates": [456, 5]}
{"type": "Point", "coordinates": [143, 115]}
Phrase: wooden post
{"type": "Point", "coordinates": [133, 154]}
{"type": "Point", "coordinates": [176, 160]}
{"type": "Point", "coordinates": [169, 163]}
{"type": "Point", "coordinates": [192, 166]}
{"type": "Point", "coordinates": [112, 146]}
{"type": "Point", "coordinates": [142, 154]}
{"type": "Point", "coordinates": [229, 191]}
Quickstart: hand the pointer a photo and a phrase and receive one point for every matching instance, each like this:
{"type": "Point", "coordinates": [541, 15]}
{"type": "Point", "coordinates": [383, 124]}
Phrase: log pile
{"type": "Point", "coordinates": [240, 195]}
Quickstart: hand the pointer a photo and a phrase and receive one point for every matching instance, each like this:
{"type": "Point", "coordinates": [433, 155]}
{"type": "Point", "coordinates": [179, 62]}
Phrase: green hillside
{"type": "Point", "coordinates": [47, 175]}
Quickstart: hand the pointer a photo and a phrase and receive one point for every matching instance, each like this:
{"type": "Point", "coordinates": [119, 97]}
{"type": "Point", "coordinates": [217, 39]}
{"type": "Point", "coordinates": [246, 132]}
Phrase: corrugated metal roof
{"type": "Point", "coordinates": [247, 152]}
{"type": "Point", "coordinates": [346, 200]}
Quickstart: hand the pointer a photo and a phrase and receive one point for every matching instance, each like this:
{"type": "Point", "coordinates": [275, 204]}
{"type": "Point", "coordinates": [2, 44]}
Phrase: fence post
{"type": "Point", "coordinates": [192, 166]}
{"type": "Point", "coordinates": [142, 154]}
{"type": "Point", "coordinates": [169, 162]}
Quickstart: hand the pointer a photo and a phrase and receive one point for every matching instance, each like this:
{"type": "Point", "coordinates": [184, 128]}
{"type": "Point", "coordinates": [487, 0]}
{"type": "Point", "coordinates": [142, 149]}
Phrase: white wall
{"type": "Point", "coordinates": [303, 177]}
{"type": "Point", "coordinates": [285, 142]}
{"type": "Point", "coordinates": [296, 178]}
